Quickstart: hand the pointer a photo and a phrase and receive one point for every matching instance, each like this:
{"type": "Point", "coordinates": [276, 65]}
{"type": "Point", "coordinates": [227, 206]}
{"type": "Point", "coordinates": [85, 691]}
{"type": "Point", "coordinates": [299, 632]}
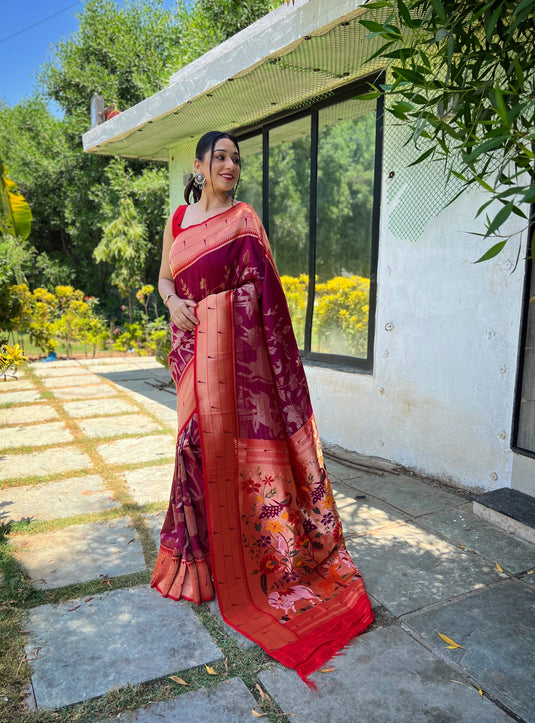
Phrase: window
{"type": "Point", "coordinates": [312, 178]}
{"type": "Point", "coordinates": [523, 437]}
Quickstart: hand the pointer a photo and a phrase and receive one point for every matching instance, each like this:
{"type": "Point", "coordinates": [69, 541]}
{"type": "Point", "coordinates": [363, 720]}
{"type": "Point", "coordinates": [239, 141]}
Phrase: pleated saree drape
{"type": "Point", "coordinates": [251, 505]}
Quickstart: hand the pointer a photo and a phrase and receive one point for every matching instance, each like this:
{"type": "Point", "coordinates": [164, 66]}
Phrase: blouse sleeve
{"type": "Point", "coordinates": [177, 219]}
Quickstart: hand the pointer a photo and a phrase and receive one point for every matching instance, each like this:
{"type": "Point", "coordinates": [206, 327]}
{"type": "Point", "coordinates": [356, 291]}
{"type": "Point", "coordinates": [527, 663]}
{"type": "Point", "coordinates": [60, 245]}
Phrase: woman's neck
{"type": "Point", "coordinates": [211, 202]}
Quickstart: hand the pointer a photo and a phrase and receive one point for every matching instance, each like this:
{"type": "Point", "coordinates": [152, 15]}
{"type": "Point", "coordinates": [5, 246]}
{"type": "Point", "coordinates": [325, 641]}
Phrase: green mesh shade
{"type": "Point", "coordinates": [415, 194]}
{"type": "Point", "coordinates": [310, 68]}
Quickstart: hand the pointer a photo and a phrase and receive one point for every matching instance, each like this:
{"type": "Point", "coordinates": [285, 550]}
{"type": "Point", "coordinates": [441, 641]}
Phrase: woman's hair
{"type": "Point", "coordinates": [207, 144]}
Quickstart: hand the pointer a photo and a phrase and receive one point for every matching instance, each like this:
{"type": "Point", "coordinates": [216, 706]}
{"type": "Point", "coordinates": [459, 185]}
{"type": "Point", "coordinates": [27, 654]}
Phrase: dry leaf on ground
{"type": "Point", "coordinates": [257, 714]}
{"type": "Point", "coordinates": [451, 643]}
{"type": "Point", "coordinates": [178, 680]}
{"type": "Point", "coordinates": [210, 670]}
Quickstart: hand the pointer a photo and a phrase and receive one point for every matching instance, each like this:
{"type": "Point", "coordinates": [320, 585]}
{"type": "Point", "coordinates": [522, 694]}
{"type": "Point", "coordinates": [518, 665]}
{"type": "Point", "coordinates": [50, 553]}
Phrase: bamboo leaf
{"type": "Point", "coordinates": [257, 714]}
{"type": "Point", "coordinates": [373, 26]}
{"type": "Point", "coordinates": [493, 20]}
{"type": "Point", "coordinates": [451, 643]}
{"type": "Point", "coordinates": [499, 567]}
{"type": "Point", "coordinates": [500, 218]}
{"type": "Point", "coordinates": [500, 104]}
{"type": "Point", "coordinates": [492, 252]}
{"type": "Point", "coordinates": [421, 158]}
{"type": "Point", "coordinates": [210, 670]}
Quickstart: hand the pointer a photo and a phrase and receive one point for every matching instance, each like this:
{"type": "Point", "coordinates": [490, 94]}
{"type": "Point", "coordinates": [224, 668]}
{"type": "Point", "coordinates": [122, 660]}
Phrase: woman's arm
{"type": "Point", "coordinates": [180, 310]}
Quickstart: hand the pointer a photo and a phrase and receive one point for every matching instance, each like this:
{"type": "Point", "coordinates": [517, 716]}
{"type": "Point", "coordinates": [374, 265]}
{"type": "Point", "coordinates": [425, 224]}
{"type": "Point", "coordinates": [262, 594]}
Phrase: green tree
{"type": "Point", "coordinates": [461, 73]}
{"type": "Point", "coordinates": [124, 247]}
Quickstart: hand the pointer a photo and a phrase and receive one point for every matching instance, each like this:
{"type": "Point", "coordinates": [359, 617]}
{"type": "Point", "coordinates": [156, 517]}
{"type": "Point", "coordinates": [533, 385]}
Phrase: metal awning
{"type": "Point", "coordinates": [283, 61]}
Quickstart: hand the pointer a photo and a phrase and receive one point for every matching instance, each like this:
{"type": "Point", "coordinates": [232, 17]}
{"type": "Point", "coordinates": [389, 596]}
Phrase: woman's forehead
{"type": "Point", "coordinates": [225, 144]}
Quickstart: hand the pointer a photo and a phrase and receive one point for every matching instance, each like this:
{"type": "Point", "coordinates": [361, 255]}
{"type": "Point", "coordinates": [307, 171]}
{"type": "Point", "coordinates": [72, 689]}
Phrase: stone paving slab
{"type": "Point", "coordinates": [71, 380]}
{"type": "Point", "coordinates": [384, 676]}
{"type": "Point", "coordinates": [149, 397]}
{"type": "Point", "coordinates": [360, 516]}
{"type": "Point", "coordinates": [156, 375]}
{"type": "Point", "coordinates": [150, 484]}
{"type": "Point", "coordinates": [165, 412]}
{"type": "Point", "coordinates": [48, 370]}
{"type": "Point", "coordinates": [35, 435]}
{"type": "Point", "coordinates": [144, 393]}
{"type": "Point", "coordinates": [242, 642]}
{"type": "Point", "coordinates": [77, 496]}
{"type": "Point", "coordinates": [91, 391]}
{"type": "Point", "coordinates": [57, 364]}
{"type": "Point", "coordinates": [465, 528]}
{"type": "Point", "coordinates": [10, 385]}
{"type": "Point", "coordinates": [495, 628]}
{"type": "Point", "coordinates": [92, 407]}
{"type": "Point", "coordinates": [27, 415]}
{"type": "Point", "coordinates": [155, 523]}
{"type": "Point", "coordinates": [43, 463]}
{"type": "Point", "coordinates": [123, 637]}
{"type": "Point", "coordinates": [340, 472]}
{"type": "Point", "coordinates": [116, 426]}
{"type": "Point", "coordinates": [407, 568]}
{"type": "Point", "coordinates": [227, 702]}
{"type": "Point", "coordinates": [138, 449]}
{"type": "Point", "coordinates": [409, 494]}
{"type": "Point", "coordinates": [80, 553]}
{"type": "Point", "coordinates": [22, 397]}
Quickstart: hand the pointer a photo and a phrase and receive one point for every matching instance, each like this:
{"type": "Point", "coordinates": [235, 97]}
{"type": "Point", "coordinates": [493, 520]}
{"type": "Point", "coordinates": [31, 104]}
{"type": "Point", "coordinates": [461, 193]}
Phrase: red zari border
{"type": "Point", "coordinates": [312, 638]}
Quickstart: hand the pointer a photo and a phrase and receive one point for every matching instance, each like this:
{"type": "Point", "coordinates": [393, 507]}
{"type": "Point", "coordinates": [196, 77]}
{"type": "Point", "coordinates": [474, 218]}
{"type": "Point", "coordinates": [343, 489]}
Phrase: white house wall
{"type": "Point", "coordinates": [440, 398]}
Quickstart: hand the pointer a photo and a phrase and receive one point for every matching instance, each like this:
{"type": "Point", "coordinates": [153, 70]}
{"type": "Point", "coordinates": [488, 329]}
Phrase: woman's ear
{"type": "Point", "coordinates": [196, 165]}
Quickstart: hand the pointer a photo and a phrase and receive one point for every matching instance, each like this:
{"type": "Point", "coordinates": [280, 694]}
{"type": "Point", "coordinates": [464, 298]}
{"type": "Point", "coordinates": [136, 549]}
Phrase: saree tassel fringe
{"type": "Point", "coordinates": [181, 580]}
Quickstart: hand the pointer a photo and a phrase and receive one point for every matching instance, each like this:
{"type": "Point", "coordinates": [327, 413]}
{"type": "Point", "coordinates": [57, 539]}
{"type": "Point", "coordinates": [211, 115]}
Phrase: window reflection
{"type": "Point", "coordinates": [250, 186]}
{"type": "Point", "coordinates": [289, 202]}
{"type": "Point", "coordinates": [346, 159]}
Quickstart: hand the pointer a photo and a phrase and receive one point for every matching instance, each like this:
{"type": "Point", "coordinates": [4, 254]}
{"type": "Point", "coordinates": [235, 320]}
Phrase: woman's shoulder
{"type": "Point", "coordinates": [248, 212]}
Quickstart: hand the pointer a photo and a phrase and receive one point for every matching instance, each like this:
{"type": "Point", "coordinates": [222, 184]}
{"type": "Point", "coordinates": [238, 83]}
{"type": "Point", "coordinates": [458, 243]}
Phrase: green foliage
{"type": "Point", "coordinates": [461, 74]}
{"type": "Point", "coordinates": [124, 53]}
{"type": "Point", "coordinates": [15, 214]}
{"type": "Point", "coordinates": [10, 358]}
{"type": "Point", "coordinates": [124, 246]}
{"type": "Point", "coordinates": [209, 22]}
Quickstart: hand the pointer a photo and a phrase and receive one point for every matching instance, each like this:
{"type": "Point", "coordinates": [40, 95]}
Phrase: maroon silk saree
{"type": "Point", "coordinates": [251, 505]}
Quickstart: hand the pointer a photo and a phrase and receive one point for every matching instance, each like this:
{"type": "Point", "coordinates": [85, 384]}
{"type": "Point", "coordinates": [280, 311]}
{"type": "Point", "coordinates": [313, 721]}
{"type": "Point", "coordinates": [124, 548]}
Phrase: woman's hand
{"type": "Point", "coordinates": [181, 311]}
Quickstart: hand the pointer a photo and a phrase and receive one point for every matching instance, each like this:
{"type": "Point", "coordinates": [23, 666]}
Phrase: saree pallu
{"type": "Point", "coordinates": [251, 504]}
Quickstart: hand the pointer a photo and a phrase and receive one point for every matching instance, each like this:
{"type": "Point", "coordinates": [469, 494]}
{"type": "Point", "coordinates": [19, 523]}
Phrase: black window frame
{"type": "Point", "coordinates": [346, 92]}
{"type": "Point", "coordinates": [526, 308]}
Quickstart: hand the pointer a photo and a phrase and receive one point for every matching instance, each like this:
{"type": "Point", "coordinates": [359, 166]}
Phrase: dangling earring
{"type": "Point", "coordinates": [199, 180]}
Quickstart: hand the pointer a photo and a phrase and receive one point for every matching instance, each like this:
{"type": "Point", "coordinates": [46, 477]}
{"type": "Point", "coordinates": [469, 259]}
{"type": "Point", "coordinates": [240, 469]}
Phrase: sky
{"type": "Point", "coordinates": [24, 48]}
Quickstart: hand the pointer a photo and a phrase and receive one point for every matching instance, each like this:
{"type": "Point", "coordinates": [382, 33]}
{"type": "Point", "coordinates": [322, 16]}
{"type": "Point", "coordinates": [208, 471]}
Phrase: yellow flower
{"type": "Point", "coordinates": [274, 526]}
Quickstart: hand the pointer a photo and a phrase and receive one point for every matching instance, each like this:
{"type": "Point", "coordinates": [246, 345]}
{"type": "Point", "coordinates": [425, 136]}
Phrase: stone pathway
{"type": "Point", "coordinates": [86, 463]}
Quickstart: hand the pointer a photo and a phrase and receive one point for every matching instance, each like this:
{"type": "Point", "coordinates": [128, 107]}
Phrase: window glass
{"type": "Point", "coordinates": [526, 403]}
{"type": "Point", "coordinates": [346, 159]}
{"type": "Point", "coordinates": [289, 203]}
{"type": "Point", "coordinates": [250, 186]}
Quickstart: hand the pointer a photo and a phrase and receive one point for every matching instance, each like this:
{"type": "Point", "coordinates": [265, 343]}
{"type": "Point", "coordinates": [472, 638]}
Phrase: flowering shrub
{"type": "Point", "coordinates": [10, 357]}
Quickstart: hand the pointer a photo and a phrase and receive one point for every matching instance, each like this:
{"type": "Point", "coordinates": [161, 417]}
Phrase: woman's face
{"type": "Point", "coordinates": [225, 171]}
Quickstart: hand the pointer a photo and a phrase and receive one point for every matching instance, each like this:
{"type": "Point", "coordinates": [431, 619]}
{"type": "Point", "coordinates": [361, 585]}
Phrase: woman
{"type": "Point", "coordinates": [251, 505]}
